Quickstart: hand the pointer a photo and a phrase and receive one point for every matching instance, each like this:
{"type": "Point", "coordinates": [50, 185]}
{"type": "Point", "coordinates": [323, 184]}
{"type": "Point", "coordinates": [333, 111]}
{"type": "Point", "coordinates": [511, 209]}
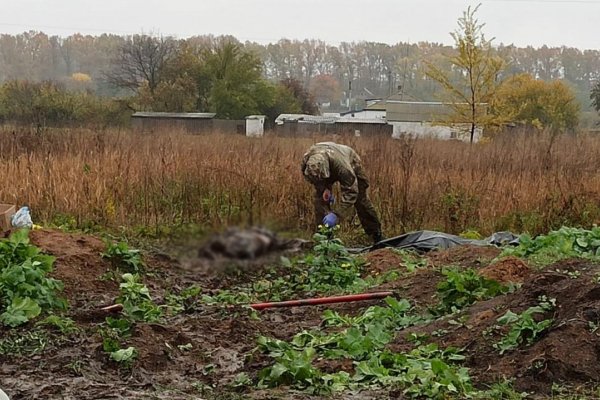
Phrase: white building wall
{"type": "Point", "coordinates": [255, 125]}
{"type": "Point", "coordinates": [426, 129]}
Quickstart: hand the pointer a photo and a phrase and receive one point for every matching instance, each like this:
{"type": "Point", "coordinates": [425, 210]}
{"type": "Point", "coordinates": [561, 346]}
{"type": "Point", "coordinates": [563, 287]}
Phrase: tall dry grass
{"type": "Point", "coordinates": [149, 182]}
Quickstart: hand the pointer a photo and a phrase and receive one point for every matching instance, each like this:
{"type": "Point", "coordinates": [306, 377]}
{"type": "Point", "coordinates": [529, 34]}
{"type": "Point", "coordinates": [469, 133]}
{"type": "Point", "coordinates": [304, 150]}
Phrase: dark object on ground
{"type": "Point", "coordinates": [247, 244]}
{"type": "Point", "coordinates": [424, 241]}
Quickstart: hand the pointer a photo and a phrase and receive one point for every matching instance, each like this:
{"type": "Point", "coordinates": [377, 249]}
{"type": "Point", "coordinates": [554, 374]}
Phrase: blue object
{"type": "Point", "coordinates": [22, 219]}
{"type": "Point", "coordinates": [330, 220]}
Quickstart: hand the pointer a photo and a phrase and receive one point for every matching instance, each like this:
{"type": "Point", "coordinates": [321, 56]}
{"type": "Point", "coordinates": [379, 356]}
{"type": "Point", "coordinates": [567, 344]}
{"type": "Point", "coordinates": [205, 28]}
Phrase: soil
{"type": "Point", "coordinates": [507, 270]}
{"type": "Point", "coordinates": [222, 344]}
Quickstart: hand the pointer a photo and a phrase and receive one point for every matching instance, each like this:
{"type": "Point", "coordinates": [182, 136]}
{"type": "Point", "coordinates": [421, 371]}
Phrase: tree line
{"type": "Point", "coordinates": [233, 79]}
{"type": "Point", "coordinates": [372, 67]}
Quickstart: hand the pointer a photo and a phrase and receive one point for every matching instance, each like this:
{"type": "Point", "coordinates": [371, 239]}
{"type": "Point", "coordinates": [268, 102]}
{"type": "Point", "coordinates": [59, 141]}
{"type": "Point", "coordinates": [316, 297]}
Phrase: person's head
{"type": "Point", "coordinates": [317, 168]}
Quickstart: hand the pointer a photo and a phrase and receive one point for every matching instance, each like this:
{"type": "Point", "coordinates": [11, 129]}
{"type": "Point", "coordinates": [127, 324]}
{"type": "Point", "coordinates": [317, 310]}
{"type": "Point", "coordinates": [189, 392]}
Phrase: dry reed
{"type": "Point", "coordinates": [149, 182]}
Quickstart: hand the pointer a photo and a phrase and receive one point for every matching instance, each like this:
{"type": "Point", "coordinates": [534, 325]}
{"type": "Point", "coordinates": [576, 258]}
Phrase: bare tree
{"type": "Point", "coordinates": [142, 59]}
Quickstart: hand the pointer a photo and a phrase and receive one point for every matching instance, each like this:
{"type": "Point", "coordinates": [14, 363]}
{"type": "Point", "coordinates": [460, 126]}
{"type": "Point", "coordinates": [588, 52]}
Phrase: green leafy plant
{"type": "Point", "coordinates": [124, 258]}
{"type": "Point", "coordinates": [137, 302]}
{"type": "Point", "coordinates": [24, 343]}
{"type": "Point", "coordinates": [556, 245]}
{"type": "Point", "coordinates": [125, 357]}
{"type": "Point", "coordinates": [330, 267]}
{"type": "Point", "coordinates": [425, 372]}
{"type": "Point", "coordinates": [463, 288]}
{"type": "Point", "coordinates": [25, 288]}
{"type": "Point", "coordinates": [523, 327]}
{"type": "Point", "coordinates": [63, 324]}
{"type": "Point", "coordinates": [410, 260]}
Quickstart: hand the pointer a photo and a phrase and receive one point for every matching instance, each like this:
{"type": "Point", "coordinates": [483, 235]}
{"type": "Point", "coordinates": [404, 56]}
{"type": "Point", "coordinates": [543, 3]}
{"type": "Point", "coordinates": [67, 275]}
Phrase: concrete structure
{"type": "Point", "coordinates": [194, 123]}
{"type": "Point", "coordinates": [255, 125]}
{"type": "Point", "coordinates": [299, 125]}
{"type": "Point", "coordinates": [420, 118]}
{"type": "Point", "coordinates": [425, 119]}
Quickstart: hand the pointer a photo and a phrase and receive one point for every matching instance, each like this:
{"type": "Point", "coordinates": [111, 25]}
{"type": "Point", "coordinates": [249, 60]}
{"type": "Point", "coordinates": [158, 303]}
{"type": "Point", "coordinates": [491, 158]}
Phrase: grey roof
{"type": "Point", "coordinates": [351, 120]}
{"type": "Point", "coordinates": [304, 118]}
{"type": "Point", "coordinates": [173, 115]}
{"type": "Point", "coordinates": [318, 119]}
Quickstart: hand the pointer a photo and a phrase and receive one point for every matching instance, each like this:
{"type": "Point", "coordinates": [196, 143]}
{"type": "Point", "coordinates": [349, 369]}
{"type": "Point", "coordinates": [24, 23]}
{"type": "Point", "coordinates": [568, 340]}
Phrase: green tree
{"type": "Point", "coordinates": [284, 103]}
{"type": "Point", "coordinates": [234, 82]}
{"type": "Point", "coordinates": [525, 100]}
{"type": "Point", "coordinates": [595, 96]}
{"type": "Point", "coordinates": [307, 102]}
{"type": "Point", "coordinates": [477, 68]}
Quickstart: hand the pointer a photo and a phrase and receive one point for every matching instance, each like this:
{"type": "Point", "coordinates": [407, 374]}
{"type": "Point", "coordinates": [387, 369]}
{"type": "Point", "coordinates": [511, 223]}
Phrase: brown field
{"type": "Point", "coordinates": [156, 183]}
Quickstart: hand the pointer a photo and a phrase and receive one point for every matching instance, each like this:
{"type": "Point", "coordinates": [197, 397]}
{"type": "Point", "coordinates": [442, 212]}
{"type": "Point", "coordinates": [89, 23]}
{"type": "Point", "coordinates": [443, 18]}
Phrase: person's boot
{"type": "Point", "coordinates": [378, 237]}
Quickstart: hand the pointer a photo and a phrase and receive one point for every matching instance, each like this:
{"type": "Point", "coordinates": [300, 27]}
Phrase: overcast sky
{"type": "Point", "coordinates": [571, 23]}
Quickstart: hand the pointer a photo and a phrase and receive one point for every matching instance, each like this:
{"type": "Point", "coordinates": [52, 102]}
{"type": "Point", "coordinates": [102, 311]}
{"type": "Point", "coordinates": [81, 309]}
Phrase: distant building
{"type": "Point", "coordinates": [421, 118]}
{"type": "Point", "coordinates": [193, 123]}
{"type": "Point", "coordinates": [296, 125]}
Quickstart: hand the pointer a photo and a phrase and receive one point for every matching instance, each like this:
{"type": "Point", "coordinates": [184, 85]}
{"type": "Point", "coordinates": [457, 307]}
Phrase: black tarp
{"type": "Point", "coordinates": [424, 241]}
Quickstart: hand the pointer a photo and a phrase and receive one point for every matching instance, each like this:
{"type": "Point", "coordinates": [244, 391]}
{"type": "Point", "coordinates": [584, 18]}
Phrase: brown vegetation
{"type": "Point", "coordinates": [114, 179]}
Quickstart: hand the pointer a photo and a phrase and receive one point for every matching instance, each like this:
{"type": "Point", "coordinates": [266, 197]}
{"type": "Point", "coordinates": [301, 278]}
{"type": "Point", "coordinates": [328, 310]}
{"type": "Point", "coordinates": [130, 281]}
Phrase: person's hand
{"type": "Point", "coordinates": [330, 220]}
{"type": "Point", "coordinates": [328, 197]}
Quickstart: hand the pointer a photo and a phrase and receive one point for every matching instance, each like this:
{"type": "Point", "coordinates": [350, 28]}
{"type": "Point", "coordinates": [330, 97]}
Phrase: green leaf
{"type": "Point", "coordinates": [20, 311]}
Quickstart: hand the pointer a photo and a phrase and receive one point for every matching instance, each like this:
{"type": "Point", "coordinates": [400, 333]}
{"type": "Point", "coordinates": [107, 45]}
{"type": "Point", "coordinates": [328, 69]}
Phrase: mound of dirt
{"type": "Point", "coordinates": [382, 260]}
{"type": "Point", "coordinates": [204, 348]}
{"type": "Point", "coordinates": [567, 353]}
{"type": "Point", "coordinates": [79, 265]}
{"type": "Point", "coordinates": [467, 256]}
{"type": "Point", "coordinates": [509, 269]}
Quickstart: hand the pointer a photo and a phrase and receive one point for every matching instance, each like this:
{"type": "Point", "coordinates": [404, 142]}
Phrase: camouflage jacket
{"type": "Point", "coordinates": [344, 167]}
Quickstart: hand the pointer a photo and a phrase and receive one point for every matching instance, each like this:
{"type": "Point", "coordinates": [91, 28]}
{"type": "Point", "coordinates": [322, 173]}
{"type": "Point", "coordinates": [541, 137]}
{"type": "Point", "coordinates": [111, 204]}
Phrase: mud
{"type": "Point", "coordinates": [196, 354]}
{"type": "Point", "coordinates": [507, 270]}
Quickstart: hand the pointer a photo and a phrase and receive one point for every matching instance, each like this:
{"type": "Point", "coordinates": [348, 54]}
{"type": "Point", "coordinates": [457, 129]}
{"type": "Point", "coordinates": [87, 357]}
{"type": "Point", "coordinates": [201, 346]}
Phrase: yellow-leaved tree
{"type": "Point", "coordinates": [472, 79]}
{"type": "Point", "coordinates": [524, 100]}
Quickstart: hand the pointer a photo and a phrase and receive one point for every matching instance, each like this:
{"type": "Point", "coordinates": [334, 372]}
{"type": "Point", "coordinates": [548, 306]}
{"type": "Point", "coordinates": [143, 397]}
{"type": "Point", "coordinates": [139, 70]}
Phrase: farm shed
{"type": "Point", "coordinates": [194, 123]}
{"type": "Point", "coordinates": [298, 125]}
{"type": "Point", "coordinates": [423, 118]}
{"type": "Point", "coordinates": [363, 126]}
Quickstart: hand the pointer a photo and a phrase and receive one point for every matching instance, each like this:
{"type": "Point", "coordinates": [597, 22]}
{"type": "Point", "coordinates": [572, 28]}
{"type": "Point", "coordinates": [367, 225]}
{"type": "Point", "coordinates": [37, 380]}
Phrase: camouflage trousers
{"type": "Point", "coordinates": [363, 206]}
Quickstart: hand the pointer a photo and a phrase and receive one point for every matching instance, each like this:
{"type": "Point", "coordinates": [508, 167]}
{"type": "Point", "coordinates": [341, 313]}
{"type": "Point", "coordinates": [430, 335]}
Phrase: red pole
{"type": "Point", "coordinates": [322, 300]}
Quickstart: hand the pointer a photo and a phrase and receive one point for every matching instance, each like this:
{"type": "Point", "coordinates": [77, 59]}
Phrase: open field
{"type": "Point", "coordinates": [157, 184]}
{"type": "Point", "coordinates": [468, 322]}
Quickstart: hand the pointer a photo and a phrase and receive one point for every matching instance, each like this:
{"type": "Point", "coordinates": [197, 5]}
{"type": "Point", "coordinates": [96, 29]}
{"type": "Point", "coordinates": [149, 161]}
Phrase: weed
{"type": "Point", "coordinates": [75, 366]}
{"type": "Point", "coordinates": [124, 357]}
{"type": "Point", "coordinates": [136, 300]}
{"type": "Point", "coordinates": [24, 343]}
{"type": "Point", "coordinates": [463, 288]}
{"type": "Point", "coordinates": [417, 338]}
{"type": "Point", "coordinates": [124, 258]}
{"type": "Point", "coordinates": [25, 288]}
{"type": "Point", "coordinates": [556, 245]}
{"type": "Point", "coordinates": [241, 380]}
{"type": "Point", "coordinates": [410, 260]}
{"type": "Point", "coordinates": [63, 324]}
{"type": "Point", "coordinates": [501, 391]}
{"type": "Point", "coordinates": [182, 301]}
{"type": "Point", "coordinates": [523, 327]}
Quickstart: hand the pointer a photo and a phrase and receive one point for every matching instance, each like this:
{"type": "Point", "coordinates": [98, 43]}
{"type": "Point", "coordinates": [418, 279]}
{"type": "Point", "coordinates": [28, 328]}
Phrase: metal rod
{"type": "Point", "coordinates": [322, 300]}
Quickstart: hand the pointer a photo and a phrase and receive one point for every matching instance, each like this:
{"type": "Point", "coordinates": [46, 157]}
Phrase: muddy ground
{"type": "Point", "coordinates": [222, 343]}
